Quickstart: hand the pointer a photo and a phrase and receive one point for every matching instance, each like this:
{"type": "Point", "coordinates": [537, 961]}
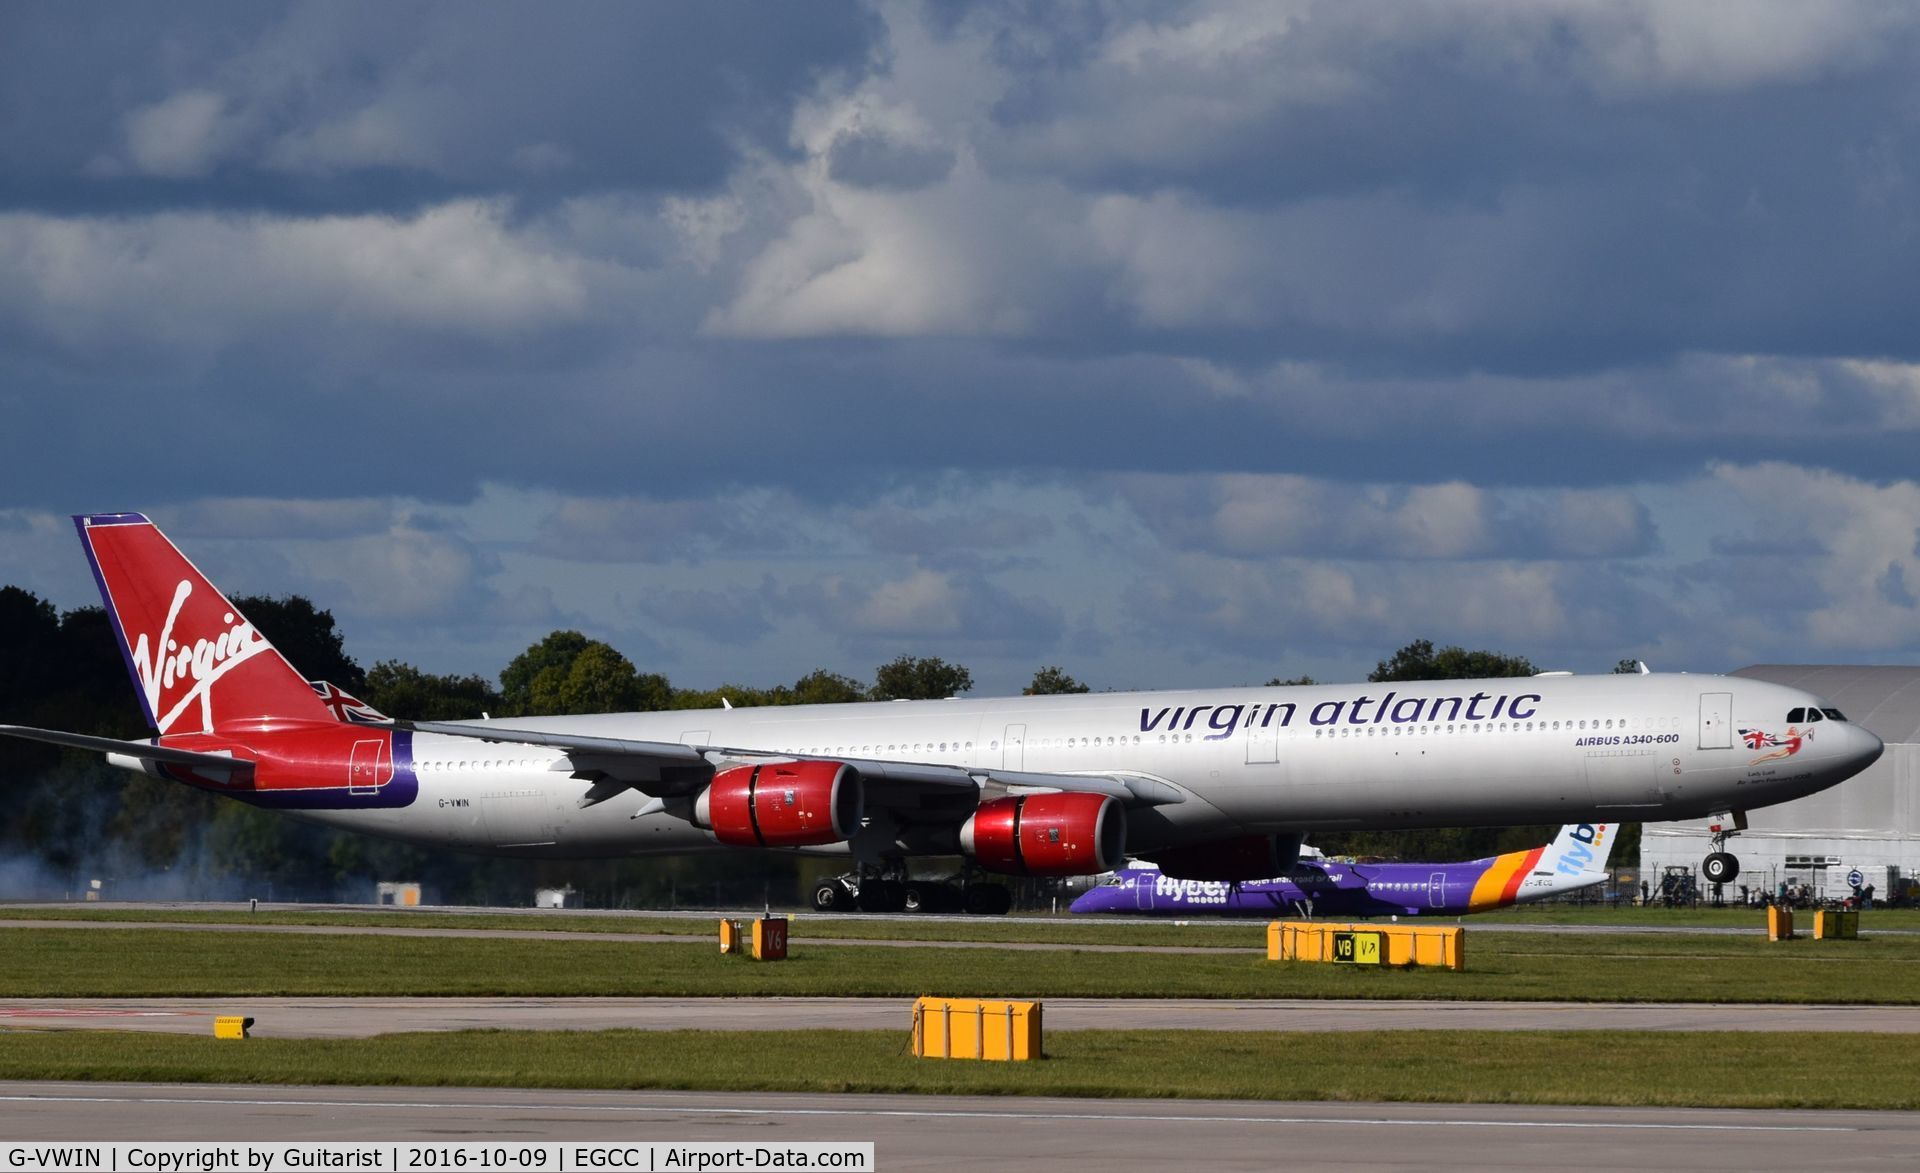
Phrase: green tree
{"type": "Point", "coordinates": [912, 678]}
{"type": "Point", "coordinates": [1627, 668]}
{"type": "Point", "coordinates": [1052, 681]}
{"type": "Point", "coordinates": [1291, 681]}
{"type": "Point", "coordinates": [822, 687]}
{"type": "Point", "coordinates": [568, 673]}
{"type": "Point", "coordinates": [305, 635]}
{"type": "Point", "coordinates": [30, 633]}
{"type": "Point", "coordinates": [598, 680]}
{"type": "Point", "coordinates": [403, 691]}
{"type": "Point", "coordinates": [557, 650]}
{"type": "Point", "coordinates": [738, 695]}
{"type": "Point", "coordinates": [1420, 661]}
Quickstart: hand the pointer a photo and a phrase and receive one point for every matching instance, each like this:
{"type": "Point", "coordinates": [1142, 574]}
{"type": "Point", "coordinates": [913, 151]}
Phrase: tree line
{"type": "Point", "coordinates": [73, 819]}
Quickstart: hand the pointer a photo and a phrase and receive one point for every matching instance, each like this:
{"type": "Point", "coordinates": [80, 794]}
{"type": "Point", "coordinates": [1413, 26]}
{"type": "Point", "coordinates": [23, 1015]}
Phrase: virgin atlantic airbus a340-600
{"type": "Point", "coordinates": [1216, 784]}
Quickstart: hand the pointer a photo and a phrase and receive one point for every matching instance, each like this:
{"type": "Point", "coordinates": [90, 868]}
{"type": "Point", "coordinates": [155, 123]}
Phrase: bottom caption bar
{"type": "Point", "coordinates": [403, 1156]}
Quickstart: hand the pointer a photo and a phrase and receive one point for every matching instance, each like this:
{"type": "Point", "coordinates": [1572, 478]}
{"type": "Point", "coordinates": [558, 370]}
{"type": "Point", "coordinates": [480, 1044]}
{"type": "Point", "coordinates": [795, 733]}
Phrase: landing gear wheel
{"type": "Point", "coordinates": [883, 896]}
{"type": "Point", "coordinates": [831, 896]}
{"type": "Point", "coordinates": [988, 899]}
{"type": "Point", "coordinates": [920, 899]}
{"type": "Point", "coordinates": [1720, 868]}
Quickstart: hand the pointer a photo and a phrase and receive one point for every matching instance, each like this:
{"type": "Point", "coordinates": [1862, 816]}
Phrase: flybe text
{"type": "Point", "coordinates": [1365, 709]}
{"type": "Point", "coordinates": [1587, 839]}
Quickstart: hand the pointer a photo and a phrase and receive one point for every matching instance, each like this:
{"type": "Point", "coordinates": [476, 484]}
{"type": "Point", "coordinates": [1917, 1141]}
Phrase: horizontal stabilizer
{"type": "Point", "coordinates": [133, 749]}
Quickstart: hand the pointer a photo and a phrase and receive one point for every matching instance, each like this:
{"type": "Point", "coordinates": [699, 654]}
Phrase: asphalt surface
{"type": "Point", "coordinates": [945, 1132]}
{"type": "Point", "coordinates": [364, 1017]}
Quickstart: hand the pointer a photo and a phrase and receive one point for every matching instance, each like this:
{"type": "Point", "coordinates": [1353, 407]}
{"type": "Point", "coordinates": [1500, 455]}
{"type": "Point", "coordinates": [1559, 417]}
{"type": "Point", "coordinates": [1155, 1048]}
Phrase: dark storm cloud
{"type": "Point", "coordinates": [372, 106]}
{"type": "Point", "coordinates": [841, 422]}
{"type": "Point", "coordinates": [985, 327]}
{"type": "Point", "coordinates": [1522, 188]}
{"type": "Point", "coordinates": [651, 530]}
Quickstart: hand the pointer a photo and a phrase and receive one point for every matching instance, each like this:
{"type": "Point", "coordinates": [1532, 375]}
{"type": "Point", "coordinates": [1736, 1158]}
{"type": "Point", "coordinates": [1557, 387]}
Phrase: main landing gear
{"type": "Point", "coordinates": [889, 890]}
{"type": "Point", "coordinates": [1720, 866]}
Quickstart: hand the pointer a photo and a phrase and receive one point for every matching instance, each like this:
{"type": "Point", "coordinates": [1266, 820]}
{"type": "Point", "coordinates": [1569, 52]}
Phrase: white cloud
{"type": "Point", "coordinates": [896, 229]}
{"type": "Point", "coordinates": [196, 282]}
{"type": "Point", "coordinates": [373, 136]}
{"type": "Point", "coordinates": [1856, 544]}
{"type": "Point", "coordinates": [1896, 387]}
{"type": "Point", "coordinates": [406, 573]}
{"type": "Point", "coordinates": [181, 137]}
{"type": "Point", "coordinates": [947, 608]}
{"type": "Point", "coordinates": [1723, 45]}
{"type": "Point", "coordinates": [1246, 515]}
{"type": "Point", "coordinates": [1515, 607]}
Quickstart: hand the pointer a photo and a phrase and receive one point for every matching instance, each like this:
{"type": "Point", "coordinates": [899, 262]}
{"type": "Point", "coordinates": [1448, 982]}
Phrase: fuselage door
{"type": "Point", "coordinates": [1437, 890]}
{"type": "Point", "coordinates": [1013, 748]}
{"type": "Point", "coordinates": [1263, 744]}
{"type": "Point", "coordinates": [368, 766]}
{"type": "Point", "coordinates": [1716, 720]}
{"type": "Point", "coordinates": [1143, 885]}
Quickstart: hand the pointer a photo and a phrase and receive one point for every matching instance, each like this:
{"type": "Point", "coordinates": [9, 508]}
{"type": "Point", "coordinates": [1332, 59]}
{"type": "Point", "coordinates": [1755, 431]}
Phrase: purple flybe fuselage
{"type": "Point", "coordinates": [1575, 859]}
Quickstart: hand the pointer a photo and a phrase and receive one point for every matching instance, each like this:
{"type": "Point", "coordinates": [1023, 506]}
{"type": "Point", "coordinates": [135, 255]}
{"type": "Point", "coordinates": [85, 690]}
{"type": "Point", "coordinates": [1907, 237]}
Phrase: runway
{"type": "Point", "coordinates": [365, 1017]}
{"type": "Point", "coordinates": [943, 1132]}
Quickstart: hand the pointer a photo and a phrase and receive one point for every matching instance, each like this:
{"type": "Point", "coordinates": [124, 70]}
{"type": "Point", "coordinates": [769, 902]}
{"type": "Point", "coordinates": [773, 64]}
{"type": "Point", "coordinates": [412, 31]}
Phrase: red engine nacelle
{"type": "Point", "coordinates": [1250, 857]}
{"type": "Point", "coordinates": [782, 804]}
{"type": "Point", "coordinates": [1047, 835]}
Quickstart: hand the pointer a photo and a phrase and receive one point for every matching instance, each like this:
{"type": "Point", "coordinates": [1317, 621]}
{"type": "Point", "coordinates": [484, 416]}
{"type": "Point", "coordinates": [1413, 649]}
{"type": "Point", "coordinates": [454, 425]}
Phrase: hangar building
{"type": "Point", "coordinates": [1870, 823]}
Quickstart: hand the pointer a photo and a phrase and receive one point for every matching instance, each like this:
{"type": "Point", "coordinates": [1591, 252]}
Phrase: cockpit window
{"type": "Point", "coordinates": [1796, 716]}
{"type": "Point", "coordinates": [1813, 715]}
{"type": "Point", "coordinates": [1834, 714]}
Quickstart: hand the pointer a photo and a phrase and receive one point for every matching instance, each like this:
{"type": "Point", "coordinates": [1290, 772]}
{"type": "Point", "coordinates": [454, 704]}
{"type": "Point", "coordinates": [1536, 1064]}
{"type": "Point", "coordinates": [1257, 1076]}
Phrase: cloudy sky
{"type": "Point", "coordinates": [1176, 344]}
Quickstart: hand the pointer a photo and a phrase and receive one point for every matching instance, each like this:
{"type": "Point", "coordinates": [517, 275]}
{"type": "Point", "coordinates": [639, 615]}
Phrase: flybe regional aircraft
{"type": "Point", "coordinates": [1212, 785]}
{"type": "Point", "coordinates": [1577, 858]}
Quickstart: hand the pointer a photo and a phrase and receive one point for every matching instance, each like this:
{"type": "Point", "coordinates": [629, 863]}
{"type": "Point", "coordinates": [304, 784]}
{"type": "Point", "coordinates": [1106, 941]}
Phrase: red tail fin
{"type": "Point", "coordinates": [196, 661]}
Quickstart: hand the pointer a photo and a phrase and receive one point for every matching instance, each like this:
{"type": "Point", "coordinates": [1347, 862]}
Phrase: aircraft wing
{"type": "Point", "coordinates": [663, 769]}
{"type": "Point", "coordinates": [132, 749]}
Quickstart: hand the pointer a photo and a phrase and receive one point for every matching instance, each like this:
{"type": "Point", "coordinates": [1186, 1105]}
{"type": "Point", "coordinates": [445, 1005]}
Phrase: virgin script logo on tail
{"type": "Point", "coordinates": [165, 663]}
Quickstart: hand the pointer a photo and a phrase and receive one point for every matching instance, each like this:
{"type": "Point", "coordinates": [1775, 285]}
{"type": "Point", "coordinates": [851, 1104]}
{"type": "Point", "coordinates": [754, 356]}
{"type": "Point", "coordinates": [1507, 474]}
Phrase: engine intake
{"type": "Point", "coordinates": [782, 804]}
{"type": "Point", "coordinates": [1072, 834]}
{"type": "Point", "coordinates": [1250, 857]}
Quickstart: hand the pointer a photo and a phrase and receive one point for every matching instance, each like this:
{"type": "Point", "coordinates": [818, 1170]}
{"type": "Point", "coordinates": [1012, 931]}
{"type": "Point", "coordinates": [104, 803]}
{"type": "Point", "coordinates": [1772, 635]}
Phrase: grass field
{"type": "Point", "coordinates": [133, 962]}
{"type": "Point", "coordinates": [1598, 1067]}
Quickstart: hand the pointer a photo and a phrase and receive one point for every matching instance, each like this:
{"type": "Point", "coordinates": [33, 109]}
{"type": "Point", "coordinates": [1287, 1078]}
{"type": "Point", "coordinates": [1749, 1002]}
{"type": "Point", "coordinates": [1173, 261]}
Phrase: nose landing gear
{"type": "Point", "coordinates": [1720, 866]}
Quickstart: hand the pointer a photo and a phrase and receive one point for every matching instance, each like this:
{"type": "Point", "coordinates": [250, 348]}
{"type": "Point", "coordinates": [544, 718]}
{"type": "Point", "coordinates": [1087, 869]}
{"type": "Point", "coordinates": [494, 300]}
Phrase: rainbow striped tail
{"type": "Point", "coordinates": [1577, 858]}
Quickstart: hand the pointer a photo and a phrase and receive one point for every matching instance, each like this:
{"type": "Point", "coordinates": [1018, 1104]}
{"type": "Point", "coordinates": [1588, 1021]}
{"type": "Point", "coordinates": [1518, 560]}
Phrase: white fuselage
{"type": "Point", "coordinates": [1555, 749]}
